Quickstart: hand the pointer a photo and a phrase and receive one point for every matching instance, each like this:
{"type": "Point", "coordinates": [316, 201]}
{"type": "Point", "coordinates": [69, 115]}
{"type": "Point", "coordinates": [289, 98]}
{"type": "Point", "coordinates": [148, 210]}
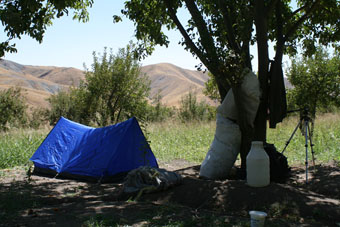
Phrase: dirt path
{"type": "Point", "coordinates": [55, 202]}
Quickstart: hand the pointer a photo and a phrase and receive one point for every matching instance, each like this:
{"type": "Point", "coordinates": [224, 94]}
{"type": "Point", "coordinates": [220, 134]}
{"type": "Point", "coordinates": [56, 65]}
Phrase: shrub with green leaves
{"type": "Point", "coordinates": [191, 109]}
{"type": "Point", "coordinates": [157, 111]}
{"type": "Point", "coordinates": [12, 108]}
{"type": "Point", "coordinates": [67, 104]}
{"type": "Point", "coordinates": [113, 90]}
{"type": "Point", "coordinates": [38, 117]}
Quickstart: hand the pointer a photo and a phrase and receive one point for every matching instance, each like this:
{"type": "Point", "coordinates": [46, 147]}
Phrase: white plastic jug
{"type": "Point", "coordinates": [258, 169]}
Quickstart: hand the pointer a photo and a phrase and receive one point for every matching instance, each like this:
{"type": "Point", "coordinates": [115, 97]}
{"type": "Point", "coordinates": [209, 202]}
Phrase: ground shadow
{"type": "Point", "coordinates": [45, 201]}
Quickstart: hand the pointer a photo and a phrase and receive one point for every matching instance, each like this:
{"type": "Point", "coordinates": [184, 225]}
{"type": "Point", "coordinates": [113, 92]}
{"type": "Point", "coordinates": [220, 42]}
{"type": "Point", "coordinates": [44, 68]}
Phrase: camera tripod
{"type": "Point", "coordinates": [304, 122]}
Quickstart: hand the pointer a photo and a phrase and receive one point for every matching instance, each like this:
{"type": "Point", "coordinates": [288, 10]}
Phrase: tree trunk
{"type": "Point", "coordinates": [247, 131]}
{"type": "Point", "coordinates": [263, 66]}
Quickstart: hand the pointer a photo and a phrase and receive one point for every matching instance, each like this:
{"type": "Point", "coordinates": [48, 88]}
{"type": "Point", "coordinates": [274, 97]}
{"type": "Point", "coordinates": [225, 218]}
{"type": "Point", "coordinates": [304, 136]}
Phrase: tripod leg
{"type": "Point", "coordinates": [288, 141]}
{"type": "Point", "coordinates": [311, 146]}
{"type": "Point", "coordinates": [306, 146]}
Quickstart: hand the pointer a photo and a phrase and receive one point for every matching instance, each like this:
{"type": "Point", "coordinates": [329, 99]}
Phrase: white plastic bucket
{"type": "Point", "coordinates": [257, 218]}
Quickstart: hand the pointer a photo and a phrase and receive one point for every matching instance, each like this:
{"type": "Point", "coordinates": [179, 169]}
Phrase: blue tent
{"type": "Point", "coordinates": [99, 154]}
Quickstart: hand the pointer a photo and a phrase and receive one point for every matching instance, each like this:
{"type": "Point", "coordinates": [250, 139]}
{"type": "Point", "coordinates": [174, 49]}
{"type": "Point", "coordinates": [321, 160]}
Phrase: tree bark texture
{"type": "Point", "coordinates": [263, 66]}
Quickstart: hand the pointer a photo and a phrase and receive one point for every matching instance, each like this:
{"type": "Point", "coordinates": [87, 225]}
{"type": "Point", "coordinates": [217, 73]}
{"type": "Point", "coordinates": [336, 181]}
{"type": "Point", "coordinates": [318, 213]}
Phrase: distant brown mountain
{"type": "Point", "coordinates": [39, 82]}
{"type": "Point", "coordinates": [174, 82]}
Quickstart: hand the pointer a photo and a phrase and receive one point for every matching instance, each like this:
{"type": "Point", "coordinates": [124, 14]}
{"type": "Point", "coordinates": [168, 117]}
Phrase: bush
{"type": "Point", "coordinates": [12, 109]}
{"type": "Point", "coordinates": [191, 109]}
{"type": "Point", "coordinates": [67, 103]}
{"type": "Point", "coordinates": [38, 117]}
{"type": "Point", "coordinates": [157, 111]}
{"type": "Point", "coordinates": [113, 90]}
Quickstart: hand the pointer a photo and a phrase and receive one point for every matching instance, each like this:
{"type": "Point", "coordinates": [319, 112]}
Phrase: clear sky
{"type": "Point", "coordinates": [69, 43]}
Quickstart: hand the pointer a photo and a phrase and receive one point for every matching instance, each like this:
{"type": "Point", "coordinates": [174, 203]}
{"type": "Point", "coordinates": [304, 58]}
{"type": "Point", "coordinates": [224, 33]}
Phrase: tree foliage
{"type": "Point", "coordinates": [32, 17]}
{"type": "Point", "coordinates": [117, 87]}
{"type": "Point", "coordinates": [113, 90]}
{"type": "Point", "coordinates": [12, 108]}
{"type": "Point", "coordinates": [210, 88]}
{"type": "Point", "coordinates": [220, 34]}
{"type": "Point", "coordinates": [316, 81]}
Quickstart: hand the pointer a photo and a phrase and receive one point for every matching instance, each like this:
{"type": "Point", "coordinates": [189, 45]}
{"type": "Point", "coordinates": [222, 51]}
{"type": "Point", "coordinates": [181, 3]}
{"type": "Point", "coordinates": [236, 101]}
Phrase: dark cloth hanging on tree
{"type": "Point", "coordinates": [277, 95]}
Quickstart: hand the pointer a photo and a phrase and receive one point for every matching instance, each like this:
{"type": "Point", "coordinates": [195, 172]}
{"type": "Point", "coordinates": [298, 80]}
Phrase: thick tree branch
{"type": "Point", "coordinates": [223, 87]}
{"type": "Point", "coordinates": [279, 35]}
{"type": "Point", "coordinates": [245, 47]}
{"type": "Point", "coordinates": [241, 49]}
{"type": "Point", "coordinates": [279, 22]}
{"type": "Point", "coordinates": [229, 27]}
{"type": "Point", "coordinates": [190, 44]}
{"type": "Point", "coordinates": [299, 10]}
{"type": "Point", "coordinates": [270, 7]}
{"type": "Point", "coordinates": [263, 63]}
{"type": "Point", "coordinates": [206, 38]}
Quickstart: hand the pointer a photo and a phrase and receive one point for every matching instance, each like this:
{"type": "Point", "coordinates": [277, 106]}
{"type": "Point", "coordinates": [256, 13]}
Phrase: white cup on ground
{"type": "Point", "coordinates": [257, 218]}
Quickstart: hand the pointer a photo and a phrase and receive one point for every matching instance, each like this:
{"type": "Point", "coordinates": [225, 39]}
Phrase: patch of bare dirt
{"type": "Point", "coordinates": [43, 201]}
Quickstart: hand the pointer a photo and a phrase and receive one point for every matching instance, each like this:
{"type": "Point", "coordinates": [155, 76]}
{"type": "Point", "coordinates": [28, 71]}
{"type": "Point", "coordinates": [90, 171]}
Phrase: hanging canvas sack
{"type": "Point", "coordinates": [223, 150]}
{"type": "Point", "coordinates": [225, 147]}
